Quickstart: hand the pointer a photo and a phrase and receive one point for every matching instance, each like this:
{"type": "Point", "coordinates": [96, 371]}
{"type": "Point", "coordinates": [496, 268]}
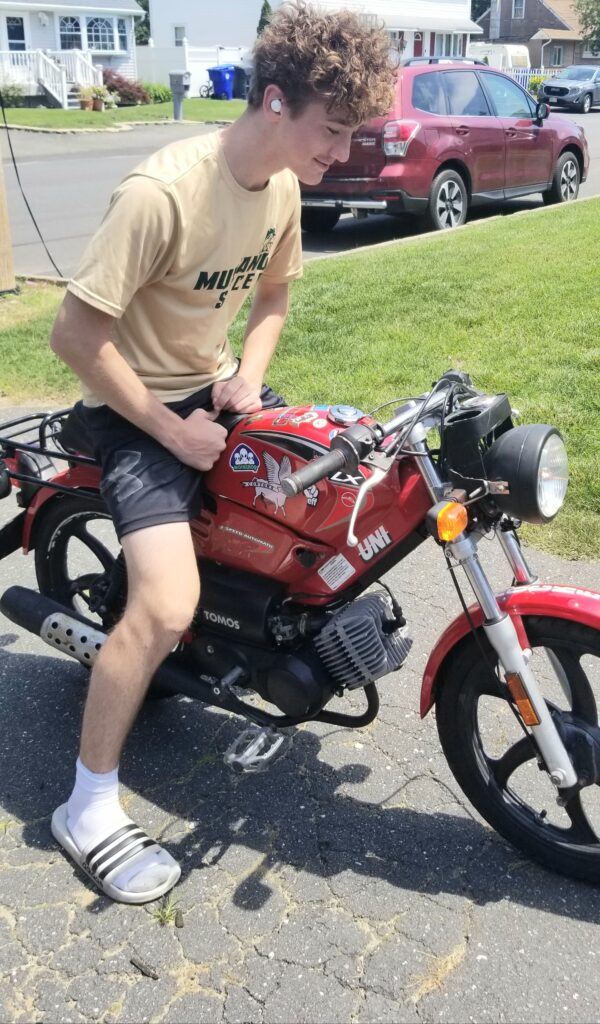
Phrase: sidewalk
{"type": "Point", "coordinates": [351, 882]}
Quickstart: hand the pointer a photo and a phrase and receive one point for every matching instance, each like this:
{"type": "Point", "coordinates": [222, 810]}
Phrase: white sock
{"type": "Point", "coordinates": [94, 813]}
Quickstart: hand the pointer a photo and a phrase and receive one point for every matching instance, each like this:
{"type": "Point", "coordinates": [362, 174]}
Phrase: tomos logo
{"type": "Point", "coordinates": [374, 543]}
{"type": "Point", "coordinates": [220, 620]}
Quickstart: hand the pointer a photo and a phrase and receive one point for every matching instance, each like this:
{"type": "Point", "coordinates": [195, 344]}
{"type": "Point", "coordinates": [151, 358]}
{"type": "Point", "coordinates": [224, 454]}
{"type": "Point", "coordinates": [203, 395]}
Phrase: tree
{"type": "Point", "coordinates": [478, 7]}
{"type": "Point", "coordinates": [265, 14]}
{"type": "Point", "coordinates": [142, 25]}
{"type": "Point", "coordinates": [589, 16]}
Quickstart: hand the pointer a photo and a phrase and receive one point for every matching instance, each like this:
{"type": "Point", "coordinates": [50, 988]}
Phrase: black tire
{"type": "Point", "coordinates": [565, 181]}
{"type": "Point", "coordinates": [500, 777]}
{"type": "Point", "coordinates": [71, 557]}
{"type": "Point", "coordinates": [66, 523]}
{"type": "Point", "coordinates": [315, 220]}
{"type": "Point", "coordinates": [448, 201]}
{"type": "Point", "coordinates": [586, 104]}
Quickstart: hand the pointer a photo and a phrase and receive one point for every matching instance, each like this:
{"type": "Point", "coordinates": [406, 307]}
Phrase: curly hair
{"type": "Point", "coordinates": [313, 55]}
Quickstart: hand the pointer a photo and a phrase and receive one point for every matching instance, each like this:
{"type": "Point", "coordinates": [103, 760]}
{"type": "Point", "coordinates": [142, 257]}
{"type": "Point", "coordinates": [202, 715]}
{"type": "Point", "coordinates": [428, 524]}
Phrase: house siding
{"type": "Point", "coordinates": [521, 30]}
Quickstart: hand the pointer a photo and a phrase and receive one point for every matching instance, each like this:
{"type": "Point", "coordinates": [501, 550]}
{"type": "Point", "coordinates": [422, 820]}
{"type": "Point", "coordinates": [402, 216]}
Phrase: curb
{"type": "Point", "coordinates": [125, 127]}
{"type": "Point", "coordinates": [60, 282]}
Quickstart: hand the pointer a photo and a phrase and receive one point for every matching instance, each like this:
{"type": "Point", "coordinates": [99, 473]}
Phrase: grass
{"type": "Point", "coordinates": [368, 327]}
{"type": "Point", "coordinates": [193, 110]}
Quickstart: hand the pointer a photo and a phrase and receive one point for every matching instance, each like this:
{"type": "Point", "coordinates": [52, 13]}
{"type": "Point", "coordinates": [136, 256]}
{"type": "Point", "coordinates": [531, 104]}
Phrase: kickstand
{"type": "Point", "coordinates": [256, 748]}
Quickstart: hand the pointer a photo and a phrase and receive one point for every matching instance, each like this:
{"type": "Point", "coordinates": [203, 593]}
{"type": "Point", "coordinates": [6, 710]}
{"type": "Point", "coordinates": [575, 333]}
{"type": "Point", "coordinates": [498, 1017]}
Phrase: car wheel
{"type": "Point", "coordinates": [448, 201]}
{"type": "Point", "coordinates": [565, 183]}
{"type": "Point", "coordinates": [586, 104]}
{"type": "Point", "coordinates": [313, 219]}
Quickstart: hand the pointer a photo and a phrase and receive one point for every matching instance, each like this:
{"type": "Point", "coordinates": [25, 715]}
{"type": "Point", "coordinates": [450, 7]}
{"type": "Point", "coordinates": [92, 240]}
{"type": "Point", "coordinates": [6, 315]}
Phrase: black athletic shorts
{"type": "Point", "coordinates": [143, 484]}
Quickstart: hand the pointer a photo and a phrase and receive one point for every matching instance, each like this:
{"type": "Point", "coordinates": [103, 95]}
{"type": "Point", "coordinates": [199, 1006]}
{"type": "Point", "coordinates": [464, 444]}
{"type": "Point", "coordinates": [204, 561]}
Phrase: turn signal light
{"type": "Point", "coordinates": [452, 519]}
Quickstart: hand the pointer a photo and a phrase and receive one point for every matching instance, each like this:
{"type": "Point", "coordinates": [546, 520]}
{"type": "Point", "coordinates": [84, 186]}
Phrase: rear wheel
{"type": "Point", "coordinates": [448, 201]}
{"type": "Point", "coordinates": [313, 219]}
{"type": "Point", "coordinates": [496, 764]}
{"type": "Point", "coordinates": [565, 182]}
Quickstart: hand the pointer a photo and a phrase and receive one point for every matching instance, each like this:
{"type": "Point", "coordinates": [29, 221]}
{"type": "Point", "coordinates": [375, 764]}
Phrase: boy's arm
{"type": "Point", "coordinates": [265, 323]}
{"type": "Point", "coordinates": [82, 339]}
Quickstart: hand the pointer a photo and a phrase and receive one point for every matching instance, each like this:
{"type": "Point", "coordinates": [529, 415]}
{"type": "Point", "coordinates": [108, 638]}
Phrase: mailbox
{"type": "Point", "coordinates": [180, 86]}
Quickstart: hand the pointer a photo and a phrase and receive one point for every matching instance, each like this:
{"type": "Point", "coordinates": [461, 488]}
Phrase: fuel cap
{"type": "Point", "coordinates": [345, 414]}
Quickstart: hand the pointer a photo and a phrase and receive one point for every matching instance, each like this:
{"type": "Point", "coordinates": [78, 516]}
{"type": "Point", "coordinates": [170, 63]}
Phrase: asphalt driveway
{"type": "Point", "coordinates": [350, 882]}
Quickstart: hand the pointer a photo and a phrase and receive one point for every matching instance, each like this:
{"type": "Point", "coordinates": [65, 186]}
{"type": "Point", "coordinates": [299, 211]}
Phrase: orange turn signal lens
{"type": "Point", "coordinates": [452, 519]}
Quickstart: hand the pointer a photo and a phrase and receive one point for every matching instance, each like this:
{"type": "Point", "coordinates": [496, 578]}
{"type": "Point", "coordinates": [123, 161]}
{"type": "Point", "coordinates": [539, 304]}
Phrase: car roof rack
{"type": "Point", "coordinates": [442, 60]}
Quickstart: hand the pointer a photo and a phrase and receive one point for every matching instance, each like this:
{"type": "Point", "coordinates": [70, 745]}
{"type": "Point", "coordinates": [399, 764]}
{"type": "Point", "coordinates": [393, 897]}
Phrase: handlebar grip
{"type": "Point", "coordinates": [314, 471]}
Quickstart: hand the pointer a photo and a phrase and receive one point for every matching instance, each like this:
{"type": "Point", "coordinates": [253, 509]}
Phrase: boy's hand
{"type": "Point", "coordinates": [236, 395]}
{"type": "Point", "coordinates": [200, 441]}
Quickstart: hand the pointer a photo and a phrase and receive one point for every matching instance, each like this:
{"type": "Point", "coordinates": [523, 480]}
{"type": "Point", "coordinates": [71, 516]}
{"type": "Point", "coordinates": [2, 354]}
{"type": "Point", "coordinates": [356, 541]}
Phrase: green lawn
{"type": "Point", "coordinates": [367, 327]}
{"type": "Point", "coordinates": [193, 110]}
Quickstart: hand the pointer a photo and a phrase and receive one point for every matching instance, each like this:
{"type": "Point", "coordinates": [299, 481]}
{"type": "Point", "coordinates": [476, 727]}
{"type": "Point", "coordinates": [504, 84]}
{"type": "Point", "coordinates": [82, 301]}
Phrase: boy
{"type": "Point", "coordinates": [144, 325]}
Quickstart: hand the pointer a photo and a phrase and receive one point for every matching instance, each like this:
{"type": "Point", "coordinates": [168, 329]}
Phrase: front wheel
{"type": "Point", "coordinates": [565, 182]}
{"type": "Point", "coordinates": [448, 201]}
{"type": "Point", "coordinates": [586, 104]}
{"type": "Point", "coordinates": [497, 765]}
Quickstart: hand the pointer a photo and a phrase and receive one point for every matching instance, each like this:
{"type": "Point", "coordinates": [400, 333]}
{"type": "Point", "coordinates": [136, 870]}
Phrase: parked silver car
{"type": "Point", "coordinates": [576, 86]}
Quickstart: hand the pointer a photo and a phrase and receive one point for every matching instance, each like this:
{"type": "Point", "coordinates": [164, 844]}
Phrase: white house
{"type": "Point", "coordinates": [195, 33]}
{"type": "Point", "coordinates": [52, 48]}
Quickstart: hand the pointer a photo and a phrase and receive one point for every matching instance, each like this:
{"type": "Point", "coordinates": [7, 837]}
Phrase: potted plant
{"type": "Point", "coordinates": [86, 97]}
{"type": "Point", "coordinates": [99, 97]}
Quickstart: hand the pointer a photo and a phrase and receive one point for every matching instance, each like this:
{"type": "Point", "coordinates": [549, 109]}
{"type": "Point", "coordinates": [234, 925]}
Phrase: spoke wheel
{"type": "Point", "coordinates": [448, 202]}
{"type": "Point", "coordinates": [496, 764]}
{"type": "Point", "coordinates": [75, 549]}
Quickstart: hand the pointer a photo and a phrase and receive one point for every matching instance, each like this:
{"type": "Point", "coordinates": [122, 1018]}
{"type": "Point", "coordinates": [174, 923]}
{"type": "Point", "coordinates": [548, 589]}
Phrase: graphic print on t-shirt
{"type": "Point", "coordinates": [244, 276]}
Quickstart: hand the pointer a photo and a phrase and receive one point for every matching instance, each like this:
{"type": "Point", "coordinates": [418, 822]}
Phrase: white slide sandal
{"type": "Point", "coordinates": [104, 861]}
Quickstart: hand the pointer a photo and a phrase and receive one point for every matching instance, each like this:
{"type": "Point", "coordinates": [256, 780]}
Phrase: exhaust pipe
{"type": "Point", "coordinates": [64, 630]}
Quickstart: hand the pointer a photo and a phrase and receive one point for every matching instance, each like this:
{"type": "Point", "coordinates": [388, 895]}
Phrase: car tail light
{"type": "Point", "coordinates": [397, 136]}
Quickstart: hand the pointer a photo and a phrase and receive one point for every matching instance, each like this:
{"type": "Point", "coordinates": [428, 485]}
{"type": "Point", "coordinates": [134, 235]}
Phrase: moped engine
{"type": "Point", "coordinates": [363, 642]}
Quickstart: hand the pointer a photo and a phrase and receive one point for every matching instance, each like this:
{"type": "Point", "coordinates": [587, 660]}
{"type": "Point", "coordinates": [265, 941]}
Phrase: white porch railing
{"type": "Point", "coordinates": [78, 66]}
{"type": "Point", "coordinates": [52, 77]}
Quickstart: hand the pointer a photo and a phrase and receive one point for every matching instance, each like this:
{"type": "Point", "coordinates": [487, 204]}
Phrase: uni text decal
{"type": "Point", "coordinates": [374, 543]}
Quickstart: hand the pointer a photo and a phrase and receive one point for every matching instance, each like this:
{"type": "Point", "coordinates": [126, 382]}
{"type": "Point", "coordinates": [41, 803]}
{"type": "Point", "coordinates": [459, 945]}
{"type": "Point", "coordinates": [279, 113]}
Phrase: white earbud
{"type": "Point", "coordinates": [276, 105]}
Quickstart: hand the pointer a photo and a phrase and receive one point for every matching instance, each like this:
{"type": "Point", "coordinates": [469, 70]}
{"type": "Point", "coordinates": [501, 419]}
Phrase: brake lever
{"type": "Point", "coordinates": [376, 477]}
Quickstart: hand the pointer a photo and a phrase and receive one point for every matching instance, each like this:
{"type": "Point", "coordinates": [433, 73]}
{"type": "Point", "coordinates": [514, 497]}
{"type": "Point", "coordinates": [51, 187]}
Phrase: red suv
{"type": "Point", "coordinates": [458, 135]}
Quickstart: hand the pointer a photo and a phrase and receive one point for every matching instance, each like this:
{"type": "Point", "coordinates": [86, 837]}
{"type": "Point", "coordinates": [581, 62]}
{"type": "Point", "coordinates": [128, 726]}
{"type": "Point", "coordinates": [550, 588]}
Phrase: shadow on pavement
{"type": "Point", "coordinates": [300, 814]}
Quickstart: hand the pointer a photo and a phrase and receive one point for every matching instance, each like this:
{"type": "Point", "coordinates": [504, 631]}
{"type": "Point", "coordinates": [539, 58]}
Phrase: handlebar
{"type": "Point", "coordinates": [318, 469]}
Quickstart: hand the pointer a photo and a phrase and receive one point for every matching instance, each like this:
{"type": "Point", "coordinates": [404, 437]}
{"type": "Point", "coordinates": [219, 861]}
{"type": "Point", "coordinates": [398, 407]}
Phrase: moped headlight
{"type": "Point", "coordinates": [533, 461]}
{"type": "Point", "coordinates": [553, 476]}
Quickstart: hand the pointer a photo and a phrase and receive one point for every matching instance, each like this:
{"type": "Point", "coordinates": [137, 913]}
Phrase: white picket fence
{"type": "Point", "coordinates": [524, 75]}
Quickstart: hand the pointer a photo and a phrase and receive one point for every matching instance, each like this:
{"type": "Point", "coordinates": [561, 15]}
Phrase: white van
{"type": "Point", "coordinates": [500, 55]}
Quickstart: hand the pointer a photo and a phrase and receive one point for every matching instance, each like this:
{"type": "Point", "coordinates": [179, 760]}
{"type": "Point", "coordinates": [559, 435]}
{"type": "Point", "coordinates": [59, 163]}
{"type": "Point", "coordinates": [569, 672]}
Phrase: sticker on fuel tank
{"type": "Point", "coordinates": [244, 460]}
{"type": "Point", "coordinates": [336, 571]}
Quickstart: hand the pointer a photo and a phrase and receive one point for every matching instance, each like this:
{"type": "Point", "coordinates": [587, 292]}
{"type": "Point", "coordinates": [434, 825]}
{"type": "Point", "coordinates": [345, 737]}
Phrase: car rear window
{"type": "Point", "coordinates": [465, 95]}
{"type": "Point", "coordinates": [428, 94]}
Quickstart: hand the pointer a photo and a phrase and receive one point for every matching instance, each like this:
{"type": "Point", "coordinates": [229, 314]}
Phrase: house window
{"type": "Point", "coordinates": [557, 56]}
{"type": "Point", "coordinates": [179, 34]}
{"type": "Point", "coordinates": [70, 34]}
{"type": "Point", "coordinates": [122, 33]}
{"type": "Point", "coordinates": [518, 9]}
{"type": "Point", "coordinates": [100, 34]}
{"type": "Point", "coordinates": [448, 45]}
{"type": "Point", "coordinates": [16, 33]}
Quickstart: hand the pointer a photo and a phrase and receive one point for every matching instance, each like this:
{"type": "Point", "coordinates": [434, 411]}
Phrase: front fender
{"type": "Point", "coordinates": [548, 599]}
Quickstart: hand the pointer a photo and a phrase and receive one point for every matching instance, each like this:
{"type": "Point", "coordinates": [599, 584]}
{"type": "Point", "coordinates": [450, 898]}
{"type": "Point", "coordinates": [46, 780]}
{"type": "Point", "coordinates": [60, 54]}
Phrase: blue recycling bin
{"type": "Point", "coordinates": [222, 78]}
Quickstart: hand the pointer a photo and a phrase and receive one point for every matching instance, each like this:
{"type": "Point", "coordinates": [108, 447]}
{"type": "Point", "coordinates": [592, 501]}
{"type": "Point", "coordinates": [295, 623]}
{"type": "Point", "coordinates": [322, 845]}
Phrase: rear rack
{"type": "Point", "coordinates": [37, 435]}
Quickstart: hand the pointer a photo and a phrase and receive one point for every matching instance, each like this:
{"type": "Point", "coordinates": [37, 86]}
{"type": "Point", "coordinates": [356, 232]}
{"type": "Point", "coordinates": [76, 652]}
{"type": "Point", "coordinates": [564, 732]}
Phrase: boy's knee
{"type": "Point", "coordinates": [165, 615]}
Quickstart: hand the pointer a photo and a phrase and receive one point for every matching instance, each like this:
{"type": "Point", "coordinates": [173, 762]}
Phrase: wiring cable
{"type": "Point", "coordinates": [8, 139]}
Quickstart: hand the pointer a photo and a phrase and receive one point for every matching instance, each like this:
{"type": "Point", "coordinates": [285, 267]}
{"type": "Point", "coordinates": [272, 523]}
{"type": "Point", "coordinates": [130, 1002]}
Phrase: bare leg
{"type": "Point", "coordinates": [163, 591]}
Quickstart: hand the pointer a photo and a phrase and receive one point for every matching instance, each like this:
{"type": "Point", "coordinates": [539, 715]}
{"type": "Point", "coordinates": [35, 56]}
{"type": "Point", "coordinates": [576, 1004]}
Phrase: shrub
{"type": "Point", "coordinates": [130, 93]}
{"type": "Point", "coordinates": [157, 92]}
{"type": "Point", "coordinates": [534, 83]}
{"type": "Point", "coordinates": [12, 94]}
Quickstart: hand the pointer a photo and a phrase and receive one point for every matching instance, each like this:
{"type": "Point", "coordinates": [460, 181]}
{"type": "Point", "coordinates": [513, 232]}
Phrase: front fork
{"type": "Point", "coordinates": [502, 634]}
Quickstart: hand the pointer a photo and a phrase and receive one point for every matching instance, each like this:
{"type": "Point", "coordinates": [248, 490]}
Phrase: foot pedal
{"type": "Point", "coordinates": [256, 749]}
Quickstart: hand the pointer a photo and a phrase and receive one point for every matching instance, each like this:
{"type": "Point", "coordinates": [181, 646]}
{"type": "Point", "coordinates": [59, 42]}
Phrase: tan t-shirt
{"type": "Point", "coordinates": [180, 248]}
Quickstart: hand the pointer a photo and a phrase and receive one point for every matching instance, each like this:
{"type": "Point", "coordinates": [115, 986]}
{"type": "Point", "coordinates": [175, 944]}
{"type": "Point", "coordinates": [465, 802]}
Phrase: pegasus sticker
{"type": "Point", "coordinates": [270, 490]}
